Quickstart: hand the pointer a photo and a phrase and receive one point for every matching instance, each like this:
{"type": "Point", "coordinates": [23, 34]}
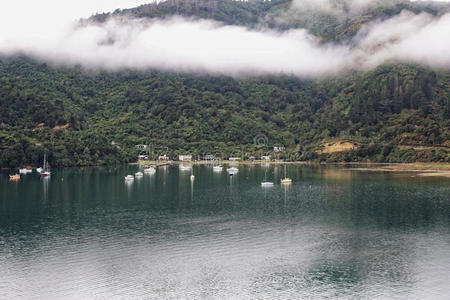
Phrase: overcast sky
{"type": "Point", "coordinates": [25, 17]}
{"type": "Point", "coordinates": [28, 12]}
{"type": "Point", "coordinates": [71, 9]}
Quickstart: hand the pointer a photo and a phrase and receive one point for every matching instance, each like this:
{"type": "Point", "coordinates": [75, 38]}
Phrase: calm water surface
{"type": "Point", "coordinates": [335, 233]}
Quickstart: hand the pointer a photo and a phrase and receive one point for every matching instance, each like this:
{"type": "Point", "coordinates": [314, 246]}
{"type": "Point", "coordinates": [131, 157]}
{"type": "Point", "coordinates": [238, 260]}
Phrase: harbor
{"type": "Point", "coordinates": [84, 223]}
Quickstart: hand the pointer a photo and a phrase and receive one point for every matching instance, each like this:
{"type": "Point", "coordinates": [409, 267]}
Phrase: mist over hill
{"type": "Point", "coordinates": [207, 77]}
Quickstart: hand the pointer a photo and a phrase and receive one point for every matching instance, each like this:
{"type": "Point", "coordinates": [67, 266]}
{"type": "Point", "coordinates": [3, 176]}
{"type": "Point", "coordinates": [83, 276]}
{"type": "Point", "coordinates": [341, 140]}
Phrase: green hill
{"type": "Point", "coordinates": [394, 113]}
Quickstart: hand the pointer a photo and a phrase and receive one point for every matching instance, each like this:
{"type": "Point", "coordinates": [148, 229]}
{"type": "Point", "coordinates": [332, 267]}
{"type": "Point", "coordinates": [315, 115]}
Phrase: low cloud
{"type": "Point", "coordinates": [339, 7]}
{"type": "Point", "coordinates": [180, 44]}
{"type": "Point", "coordinates": [185, 45]}
{"type": "Point", "coordinates": [406, 38]}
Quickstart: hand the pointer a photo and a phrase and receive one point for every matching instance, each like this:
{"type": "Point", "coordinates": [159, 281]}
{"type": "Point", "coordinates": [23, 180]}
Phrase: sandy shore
{"type": "Point", "coordinates": [421, 169]}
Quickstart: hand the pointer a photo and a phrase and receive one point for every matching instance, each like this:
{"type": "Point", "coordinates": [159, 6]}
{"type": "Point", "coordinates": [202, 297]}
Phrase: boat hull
{"type": "Point", "coordinates": [286, 181]}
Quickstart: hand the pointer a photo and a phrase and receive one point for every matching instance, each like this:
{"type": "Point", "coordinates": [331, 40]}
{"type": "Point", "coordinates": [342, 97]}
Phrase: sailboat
{"type": "Point", "coordinates": [45, 169]}
{"type": "Point", "coordinates": [217, 169]}
{"type": "Point", "coordinates": [266, 183]}
{"type": "Point", "coordinates": [286, 180]}
{"type": "Point", "coordinates": [232, 171]}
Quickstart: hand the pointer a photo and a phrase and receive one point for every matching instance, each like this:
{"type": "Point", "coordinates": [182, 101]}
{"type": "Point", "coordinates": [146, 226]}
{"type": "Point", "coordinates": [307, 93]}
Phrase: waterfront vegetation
{"type": "Point", "coordinates": [394, 113]}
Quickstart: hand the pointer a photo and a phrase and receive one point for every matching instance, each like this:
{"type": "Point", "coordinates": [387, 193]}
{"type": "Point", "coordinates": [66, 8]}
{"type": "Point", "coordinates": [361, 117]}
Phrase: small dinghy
{"type": "Point", "coordinates": [217, 169]}
{"type": "Point", "coordinates": [150, 170]}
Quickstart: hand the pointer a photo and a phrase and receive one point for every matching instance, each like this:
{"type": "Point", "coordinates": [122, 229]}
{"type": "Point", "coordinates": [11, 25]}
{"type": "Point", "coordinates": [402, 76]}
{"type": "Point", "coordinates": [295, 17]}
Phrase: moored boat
{"type": "Point", "coordinates": [14, 177]}
{"type": "Point", "coordinates": [150, 170]}
{"type": "Point", "coordinates": [25, 171]}
{"type": "Point", "coordinates": [266, 183]}
{"type": "Point", "coordinates": [286, 180]}
{"type": "Point", "coordinates": [45, 168]}
{"type": "Point", "coordinates": [232, 170]}
{"type": "Point", "coordinates": [217, 168]}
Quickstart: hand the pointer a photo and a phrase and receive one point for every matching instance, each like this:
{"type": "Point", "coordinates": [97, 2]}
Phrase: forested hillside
{"type": "Point", "coordinates": [394, 113]}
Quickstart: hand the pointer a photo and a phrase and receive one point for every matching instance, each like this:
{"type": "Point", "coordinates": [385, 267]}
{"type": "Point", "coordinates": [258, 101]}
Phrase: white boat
{"type": "Point", "coordinates": [192, 177]}
{"type": "Point", "coordinates": [232, 170]}
{"type": "Point", "coordinates": [25, 171]}
{"type": "Point", "coordinates": [286, 180]}
{"type": "Point", "coordinates": [39, 170]}
{"type": "Point", "coordinates": [138, 174]}
{"type": "Point", "coordinates": [217, 168]}
{"type": "Point", "coordinates": [266, 183]}
{"type": "Point", "coordinates": [150, 170]}
{"type": "Point", "coordinates": [129, 178]}
{"type": "Point", "coordinates": [45, 169]}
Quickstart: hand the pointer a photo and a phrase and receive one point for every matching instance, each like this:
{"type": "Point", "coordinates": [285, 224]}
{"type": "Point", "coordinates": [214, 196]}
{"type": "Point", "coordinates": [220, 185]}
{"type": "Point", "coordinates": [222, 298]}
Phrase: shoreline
{"type": "Point", "coordinates": [421, 169]}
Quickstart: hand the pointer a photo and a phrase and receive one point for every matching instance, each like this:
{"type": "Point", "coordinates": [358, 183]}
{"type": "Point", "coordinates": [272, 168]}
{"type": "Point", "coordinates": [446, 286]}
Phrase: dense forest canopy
{"type": "Point", "coordinates": [397, 112]}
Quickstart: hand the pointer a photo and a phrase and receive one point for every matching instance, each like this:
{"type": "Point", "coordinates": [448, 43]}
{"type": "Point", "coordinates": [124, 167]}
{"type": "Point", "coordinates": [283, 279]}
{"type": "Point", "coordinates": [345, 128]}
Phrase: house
{"type": "Point", "coordinates": [210, 157]}
{"type": "Point", "coordinates": [187, 157]}
{"type": "Point", "coordinates": [266, 157]}
{"type": "Point", "coordinates": [279, 149]}
{"type": "Point", "coordinates": [140, 146]}
{"type": "Point", "coordinates": [143, 157]}
{"type": "Point", "coordinates": [234, 158]}
{"type": "Point", "coordinates": [163, 157]}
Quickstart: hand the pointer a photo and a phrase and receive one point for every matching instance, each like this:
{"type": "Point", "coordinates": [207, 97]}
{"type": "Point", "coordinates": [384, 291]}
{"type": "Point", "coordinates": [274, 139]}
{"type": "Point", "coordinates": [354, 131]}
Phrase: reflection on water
{"type": "Point", "coordinates": [45, 182]}
{"type": "Point", "coordinates": [333, 233]}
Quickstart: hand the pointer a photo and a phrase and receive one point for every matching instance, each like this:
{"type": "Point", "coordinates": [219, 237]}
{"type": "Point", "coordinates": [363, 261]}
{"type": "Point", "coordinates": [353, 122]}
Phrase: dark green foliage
{"type": "Point", "coordinates": [217, 114]}
{"type": "Point", "coordinates": [243, 13]}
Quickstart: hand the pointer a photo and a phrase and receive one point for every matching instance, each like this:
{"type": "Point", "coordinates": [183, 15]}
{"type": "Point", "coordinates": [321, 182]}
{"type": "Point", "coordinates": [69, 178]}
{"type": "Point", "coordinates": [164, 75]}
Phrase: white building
{"type": "Point", "coordinates": [187, 157]}
{"type": "Point", "coordinates": [279, 149]}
